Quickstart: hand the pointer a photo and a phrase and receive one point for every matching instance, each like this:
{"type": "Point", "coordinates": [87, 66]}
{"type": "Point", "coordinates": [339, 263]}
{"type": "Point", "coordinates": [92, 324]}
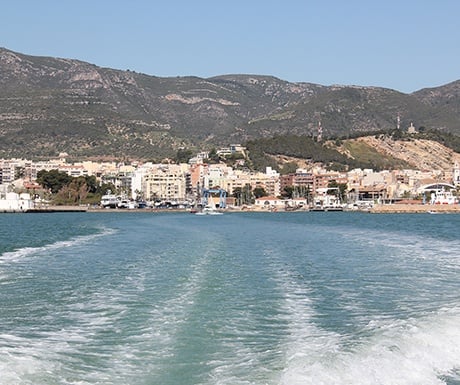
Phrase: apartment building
{"type": "Point", "coordinates": [165, 182]}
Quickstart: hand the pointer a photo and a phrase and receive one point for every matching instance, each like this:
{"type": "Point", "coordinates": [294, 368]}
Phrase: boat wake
{"type": "Point", "coordinates": [392, 349]}
{"type": "Point", "coordinates": [415, 351]}
{"type": "Point", "coordinates": [20, 254]}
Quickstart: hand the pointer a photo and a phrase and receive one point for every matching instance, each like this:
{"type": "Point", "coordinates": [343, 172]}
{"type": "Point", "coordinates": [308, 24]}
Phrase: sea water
{"type": "Point", "coordinates": [243, 298]}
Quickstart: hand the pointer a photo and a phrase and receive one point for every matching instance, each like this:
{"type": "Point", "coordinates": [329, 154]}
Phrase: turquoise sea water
{"type": "Point", "coordinates": [244, 298]}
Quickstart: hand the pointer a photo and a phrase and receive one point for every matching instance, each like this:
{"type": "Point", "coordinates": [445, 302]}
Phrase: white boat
{"type": "Point", "coordinates": [208, 210]}
{"type": "Point", "coordinates": [443, 197]}
{"type": "Point", "coordinates": [109, 201]}
{"type": "Point", "coordinates": [125, 203]}
{"type": "Point", "coordinates": [325, 202]}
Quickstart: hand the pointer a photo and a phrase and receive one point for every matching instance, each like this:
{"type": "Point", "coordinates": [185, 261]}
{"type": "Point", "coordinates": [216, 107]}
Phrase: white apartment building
{"type": "Point", "coordinates": [8, 170]}
{"type": "Point", "coordinates": [217, 175]}
{"type": "Point", "coordinates": [165, 182]}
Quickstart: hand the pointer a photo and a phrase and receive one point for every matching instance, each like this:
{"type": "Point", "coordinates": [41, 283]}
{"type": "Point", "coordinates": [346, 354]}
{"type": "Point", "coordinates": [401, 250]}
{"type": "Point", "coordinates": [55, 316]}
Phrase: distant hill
{"type": "Point", "coordinates": [52, 105]}
{"type": "Point", "coordinates": [378, 152]}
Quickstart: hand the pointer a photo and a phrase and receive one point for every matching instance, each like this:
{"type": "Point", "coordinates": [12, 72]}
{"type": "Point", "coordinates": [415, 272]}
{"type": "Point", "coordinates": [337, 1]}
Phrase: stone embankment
{"type": "Point", "coordinates": [57, 209]}
{"type": "Point", "coordinates": [415, 208]}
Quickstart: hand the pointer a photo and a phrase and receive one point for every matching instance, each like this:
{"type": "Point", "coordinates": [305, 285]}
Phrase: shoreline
{"type": "Point", "coordinates": [415, 209]}
{"type": "Point", "coordinates": [377, 209]}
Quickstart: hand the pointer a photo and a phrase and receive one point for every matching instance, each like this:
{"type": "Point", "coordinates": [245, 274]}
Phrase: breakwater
{"type": "Point", "coordinates": [414, 208]}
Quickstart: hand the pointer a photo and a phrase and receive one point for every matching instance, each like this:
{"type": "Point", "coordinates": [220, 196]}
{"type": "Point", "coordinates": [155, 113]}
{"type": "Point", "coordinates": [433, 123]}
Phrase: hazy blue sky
{"type": "Point", "coordinates": [405, 45]}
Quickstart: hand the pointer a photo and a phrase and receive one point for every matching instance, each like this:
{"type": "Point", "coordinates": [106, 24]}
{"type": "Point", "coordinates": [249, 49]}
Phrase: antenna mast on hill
{"type": "Point", "coordinates": [320, 132]}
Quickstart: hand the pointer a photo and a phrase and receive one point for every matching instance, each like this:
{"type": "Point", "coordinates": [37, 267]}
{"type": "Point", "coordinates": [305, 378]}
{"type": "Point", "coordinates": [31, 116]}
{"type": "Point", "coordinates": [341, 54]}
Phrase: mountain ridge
{"type": "Point", "coordinates": [52, 105]}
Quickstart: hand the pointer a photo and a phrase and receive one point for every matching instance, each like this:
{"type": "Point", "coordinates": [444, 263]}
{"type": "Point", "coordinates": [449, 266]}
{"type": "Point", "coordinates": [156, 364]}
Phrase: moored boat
{"type": "Point", "coordinates": [110, 201]}
{"type": "Point", "coordinates": [443, 197]}
{"type": "Point", "coordinates": [208, 210]}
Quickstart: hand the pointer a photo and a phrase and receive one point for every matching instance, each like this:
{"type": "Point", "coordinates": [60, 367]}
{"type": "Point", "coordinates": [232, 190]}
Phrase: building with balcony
{"type": "Point", "coordinates": [165, 182]}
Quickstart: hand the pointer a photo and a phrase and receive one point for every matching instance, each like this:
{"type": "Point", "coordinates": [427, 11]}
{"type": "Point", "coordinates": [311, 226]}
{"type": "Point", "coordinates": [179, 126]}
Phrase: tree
{"type": "Point", "coordinates": [302, 191]}
{"type": "Point", "coordinates": [213, 156]}
{"type": "Point", "coordinates": [243, 195]}
{"type": "Point", "coordinates": [53, 180]}
{"type": "Point", "coordinates": [288, 192]}
{"type": "Point", "coordinates": [104, 187]}
{"type": "Point", "coordinates": [247, 194]}
{"type": "Point", "coordinates": [289, 168]}
{"type": "Point", "coordinates": [341, 189]}
{"type": "Point", "coordinates": [80, 187]}
{"type": "Point", "coordinates": [19, 172]}
{"type": "Point", "coordinates": [183, 155]}
{"type": "Point", "coordinates": [237, 193]}
{"type": "Point", "coordinates": [73, 193]}
{"type": "Point", "coordinates": [91, 183]}
{"type": "Point", "coordinates": [259, 192]}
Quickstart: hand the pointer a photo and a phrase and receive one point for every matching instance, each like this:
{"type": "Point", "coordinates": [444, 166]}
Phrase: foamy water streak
{"type": "Point", "coordinates": [36, 356]}
{"type": "Point", "coordinates": [17, 255]}
{"type": "Point", "coordinates": [415, 351]}
{"type": "Point", "coordinates": [409, 246]}
{"type": "Point", "coordinates": [423, 350]}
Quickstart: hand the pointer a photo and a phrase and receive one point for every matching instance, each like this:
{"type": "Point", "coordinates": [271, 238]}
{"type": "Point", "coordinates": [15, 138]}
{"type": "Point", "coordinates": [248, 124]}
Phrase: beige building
{"type": "Point", "coordinates": [165, 182]}
{"type": "Point", "coordinates": [269, 181]}
{"type": "Point", "coordinates": [228, 179]}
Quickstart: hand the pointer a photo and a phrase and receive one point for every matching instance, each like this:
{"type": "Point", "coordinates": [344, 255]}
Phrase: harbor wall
{"type": "Point", "coordinates": [415, 208]}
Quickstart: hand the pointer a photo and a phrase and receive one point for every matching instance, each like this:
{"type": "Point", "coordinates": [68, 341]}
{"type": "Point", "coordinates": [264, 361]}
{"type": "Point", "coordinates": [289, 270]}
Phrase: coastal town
{"type": "Point", "coordinates": [199, 182]}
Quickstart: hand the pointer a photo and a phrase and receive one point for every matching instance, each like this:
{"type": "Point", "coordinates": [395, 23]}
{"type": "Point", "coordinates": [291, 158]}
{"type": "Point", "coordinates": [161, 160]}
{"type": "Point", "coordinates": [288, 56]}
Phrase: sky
{"type": "Point", "coordinates": [404, 45]}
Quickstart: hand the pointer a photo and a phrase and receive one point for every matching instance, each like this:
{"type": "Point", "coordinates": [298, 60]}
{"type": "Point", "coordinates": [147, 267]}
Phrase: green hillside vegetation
{"type": "Point", "coordinates": [359, 154]}
{"type": "Point", "coordinates": [369, 158]}
{"type": "Point", "coordinates": [303, 147]}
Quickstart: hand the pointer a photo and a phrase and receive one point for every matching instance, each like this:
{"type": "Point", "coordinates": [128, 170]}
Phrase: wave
{"type": "Point", "coordinates": [424, 349]}
{"type": "Point", "coordinates": [416, 351]}
{"type": "Point", "coordinates": [409, 245]}
{"type": "Point", "coordinates": [388, 351]}
{"type": "Point", "coordinates": [46, 354]}
{"type": "Point", "coordinates": [20, 254]}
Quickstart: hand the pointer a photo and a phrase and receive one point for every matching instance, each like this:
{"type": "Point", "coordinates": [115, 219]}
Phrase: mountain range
{"type": "Point", "coordinates": [53, 105]}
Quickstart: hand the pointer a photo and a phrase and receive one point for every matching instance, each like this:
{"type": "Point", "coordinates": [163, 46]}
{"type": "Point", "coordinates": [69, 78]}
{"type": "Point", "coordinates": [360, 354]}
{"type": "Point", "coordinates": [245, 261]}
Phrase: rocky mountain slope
{"type": "Point", "coordinates": [51, 105]}
{"type": "Point", "coordinates": [421, 154]}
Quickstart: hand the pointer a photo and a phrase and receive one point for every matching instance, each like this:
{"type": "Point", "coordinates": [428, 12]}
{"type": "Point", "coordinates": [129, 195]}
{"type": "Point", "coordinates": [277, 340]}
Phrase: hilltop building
{"type": "Point", "coordinates": [411, 129]}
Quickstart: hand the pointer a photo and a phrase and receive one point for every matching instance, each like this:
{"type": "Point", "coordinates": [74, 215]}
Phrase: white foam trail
{"type": "Point", "coordinates": [46, 354]}
{"type": "Point", "coordinates": [410, 246]}
{"type": "Point", "coordinates": [17, 255]}
{"type": "Point", "coordinates": [71, 354]}
{"type": "Point", "coordinates": [410, 352]}
{"type": "Point", "coordinates": [398, 352]}
{"type": "Point", "coordinates": [305, 341]}
{"type": "Point", "coordinates": [158, 338]}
